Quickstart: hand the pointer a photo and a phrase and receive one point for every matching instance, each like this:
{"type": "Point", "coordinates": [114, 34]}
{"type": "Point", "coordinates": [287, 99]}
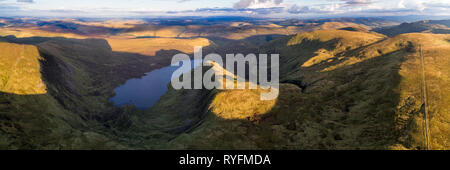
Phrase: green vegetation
{"type": "Point", "coordinates": [370, 99]}
{"type": "Point", "coordinates": [341, 89]}
{"type": "Point", "coordinates": [72, 110]}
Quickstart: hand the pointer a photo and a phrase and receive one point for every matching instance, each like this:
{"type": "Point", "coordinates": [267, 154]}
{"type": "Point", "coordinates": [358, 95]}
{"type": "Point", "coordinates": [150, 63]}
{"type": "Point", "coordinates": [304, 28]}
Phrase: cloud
{"type": "Point", "coordinates": [295, 9]}
{"type": "Point", "coordinates": [357, 2]}
{"type": "Point", "coordinates": [438, 5]}
{"type": "Point", "coordinates": [242, 4]}
{"type": "Point", "coordinates": [258, 8]}
{"type": "Point", "coordinates": [334, 8]}
{"type": "Point", "coordinates": [25, 1]}
{"type": "Point", "coordinates": [7, 9]}
{"type": "Point", "coordinates": [232, 11]}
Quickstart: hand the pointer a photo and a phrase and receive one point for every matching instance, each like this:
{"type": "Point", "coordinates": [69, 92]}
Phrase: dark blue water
{"type": "Point", "coordinates": [144, 92]}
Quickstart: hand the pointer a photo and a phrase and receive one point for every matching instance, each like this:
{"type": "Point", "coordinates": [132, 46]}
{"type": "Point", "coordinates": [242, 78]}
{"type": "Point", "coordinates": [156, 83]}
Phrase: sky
{"type": "Point", "coordinates": [252, 8]}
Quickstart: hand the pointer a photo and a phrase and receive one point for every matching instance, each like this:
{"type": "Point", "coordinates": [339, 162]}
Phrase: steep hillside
{"type": "Point", "coordinates": [30, 117]}
{"type": "Point", "coordinates": [340, 90]}
{"type": "Point", "coordinates": [71, 111]}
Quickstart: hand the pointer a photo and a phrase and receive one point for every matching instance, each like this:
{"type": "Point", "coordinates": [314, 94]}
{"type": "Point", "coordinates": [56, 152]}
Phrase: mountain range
{"type": "Point", "coordinates": [345, 84]}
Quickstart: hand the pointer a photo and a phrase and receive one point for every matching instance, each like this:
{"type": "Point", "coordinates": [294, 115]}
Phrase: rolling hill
{"type": "Point", "coordinates": [428, 26]}
{"type": "Point", "coordinates": [341, 90]}
{"type": "Point", "coordinates": [55, 92]}
{"type": "Point", "coordinates": [342, 87]}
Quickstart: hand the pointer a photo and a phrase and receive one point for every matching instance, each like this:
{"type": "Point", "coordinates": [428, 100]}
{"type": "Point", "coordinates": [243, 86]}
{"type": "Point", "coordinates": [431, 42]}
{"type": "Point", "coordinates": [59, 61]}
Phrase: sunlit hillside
{"type": "Point", "coordinates": [52, 94]}
{"type": "Point", "coordinates": [20, 70]}
{"type": "Point", "coordinates": [149, 46]}
{"type": "Point", "coordinates": [30, 32]}
{"type": "Point", "coordinates": [364, 93]}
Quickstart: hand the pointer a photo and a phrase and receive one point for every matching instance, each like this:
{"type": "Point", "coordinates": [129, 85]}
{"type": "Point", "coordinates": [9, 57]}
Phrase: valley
{"type": "Point", "coordinates": [345, 84]}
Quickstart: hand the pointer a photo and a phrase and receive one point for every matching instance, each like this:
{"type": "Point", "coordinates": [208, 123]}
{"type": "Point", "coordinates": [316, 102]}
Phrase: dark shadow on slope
{"type": "Point", "coordinates": [358, 111]}
{"type": "Point", "coordinates": [325, 119]}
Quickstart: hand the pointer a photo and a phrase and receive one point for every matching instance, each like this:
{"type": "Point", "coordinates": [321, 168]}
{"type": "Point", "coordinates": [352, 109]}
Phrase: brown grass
{"type": "Point", "coordinates": [436, 52]}
{"type": "Point", "coordinates": [240, 104]}
{"type": "Point", "coordinates": [35, 32]}
{"type": "Point", "coordinates": [20, 69]}
{"type": "Point", "coordinates": [149, 46]}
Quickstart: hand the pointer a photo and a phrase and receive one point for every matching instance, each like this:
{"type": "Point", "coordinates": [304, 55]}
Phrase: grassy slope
{"type": "Point", "coordinates": [436, 49]}
{"type": "Point", "coordinates": [94, 72]}
{"type": "Point", "coordinates": [74, 111]}
{"type": "Point", "coordinates": [32, 32]}
{"type": "Point", "coordinates": [20, 69]}
{"type": "Point", "coordinates": [365, 95]}
{"type": "Point", "coordinates": [31, 118]}
{"type": "Point", "coordinates": [149, 46]}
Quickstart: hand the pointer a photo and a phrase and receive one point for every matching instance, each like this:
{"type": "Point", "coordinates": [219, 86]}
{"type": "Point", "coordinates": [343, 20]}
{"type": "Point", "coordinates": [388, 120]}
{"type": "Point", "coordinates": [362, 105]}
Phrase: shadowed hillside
{"type": "Point", "coordinates": [429, 26]}
{"type": "Point", "coordinates": [71, 111]}
{"type": "Point", "coordinates": [31, 118]}
{"type": "Point", "coordinates": [341, 90]}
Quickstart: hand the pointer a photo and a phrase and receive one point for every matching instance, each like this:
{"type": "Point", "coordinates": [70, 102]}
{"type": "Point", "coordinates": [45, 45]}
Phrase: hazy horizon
{"type": "Point", "coordinates": [245, 8]}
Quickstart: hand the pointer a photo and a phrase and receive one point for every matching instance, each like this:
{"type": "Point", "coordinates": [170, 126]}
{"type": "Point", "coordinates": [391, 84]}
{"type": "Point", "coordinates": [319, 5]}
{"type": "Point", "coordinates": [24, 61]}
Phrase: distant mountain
{"type": "Point", "coordinates": [415, 18]}
{"type": "Point", "coordinates": [370, 22]}
{"type": "Point", "coordinates": [239, 28]}
{"type": "Point", "coordinates": [428, 26]}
